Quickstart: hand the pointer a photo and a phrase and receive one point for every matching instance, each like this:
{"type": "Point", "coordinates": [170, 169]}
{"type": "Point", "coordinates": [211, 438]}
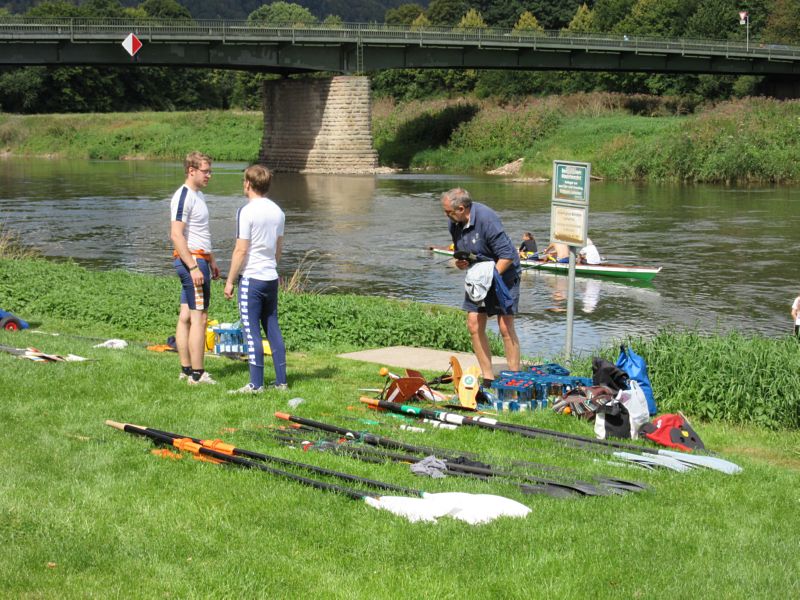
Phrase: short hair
{"type": "Point", "coordinates": [259, 178]}
{"type": "Point", "coordinates": [527, 234]}
{"type": "Point", "coordinates": [458, 197]}
{"type": "Point", "coordinates": [195, 160]}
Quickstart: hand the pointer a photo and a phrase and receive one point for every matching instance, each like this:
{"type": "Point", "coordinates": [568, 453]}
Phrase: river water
{"type": "Point", "coordinates": [727, 253]}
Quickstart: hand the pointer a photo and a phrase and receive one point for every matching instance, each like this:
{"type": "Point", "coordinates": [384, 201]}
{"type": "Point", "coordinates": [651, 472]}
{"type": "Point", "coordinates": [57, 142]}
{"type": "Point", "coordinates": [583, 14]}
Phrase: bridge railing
{"type": "Point", "coordinates": [20, 28]}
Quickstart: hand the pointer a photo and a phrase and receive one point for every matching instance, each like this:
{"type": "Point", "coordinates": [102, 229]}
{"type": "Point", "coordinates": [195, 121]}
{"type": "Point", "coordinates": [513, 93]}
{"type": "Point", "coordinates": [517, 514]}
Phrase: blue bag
{"type": "Point", "coordinates": [636, 368]}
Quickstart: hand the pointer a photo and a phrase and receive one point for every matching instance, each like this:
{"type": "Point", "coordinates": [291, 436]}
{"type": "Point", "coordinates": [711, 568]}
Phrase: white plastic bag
{"type": "Point", "coordinates": [635, 402]}
{"type": "Point", "coordinates": [627, 422]}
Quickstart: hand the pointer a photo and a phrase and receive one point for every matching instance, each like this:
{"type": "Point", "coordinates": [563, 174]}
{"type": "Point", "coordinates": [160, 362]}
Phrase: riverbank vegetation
{"type": "Point", "coordinates": [88, 510]}
{"type": "Point", "coordinates": [642, 138]}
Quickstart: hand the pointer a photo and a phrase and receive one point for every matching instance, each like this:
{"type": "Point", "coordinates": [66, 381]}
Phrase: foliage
{"type": "Point", "coordinates": [12, 246]}
{"type": "Point", "coordinates": [405, 14]}
{"type": "Point", "coordinates": [471, 20]}
{"type": "Point", "coordinates": [446, 13]}
{"type": "Point", "coordinates": [165, 9]}
{"type": "Point", "coordinates": [582, 21]}
{"type": "Point", "coordinates": [125, 304]}
{"type": "Point", "coordinates": [732, 377]}
{"type": "Point", "coordinates": [421, 22]}
{"type": "Point", "coordinates": [285, 13]}
{"type": "Point", "coordinates": [527, 22]}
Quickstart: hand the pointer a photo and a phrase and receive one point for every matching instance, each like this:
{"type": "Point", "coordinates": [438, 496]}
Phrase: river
{"type": "Point", "coordinates": [726, 252]}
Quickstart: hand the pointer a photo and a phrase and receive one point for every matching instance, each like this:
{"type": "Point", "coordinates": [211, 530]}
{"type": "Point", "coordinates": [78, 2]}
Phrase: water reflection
{"type": "Point", "coordinates": [723, 250]}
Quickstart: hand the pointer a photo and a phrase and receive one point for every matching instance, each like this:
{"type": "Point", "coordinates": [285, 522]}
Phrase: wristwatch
{"type": "Point", "coordinates": [193, 268]}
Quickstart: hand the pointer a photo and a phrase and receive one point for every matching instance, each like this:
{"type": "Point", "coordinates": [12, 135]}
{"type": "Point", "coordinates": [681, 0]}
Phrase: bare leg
{"type": "Point", "coordinates": [197, 338]}
{"type": "Point", "coordinates": [182, 335]}
{"type": "Point", "coordinates": [510, 340]}
{"type": "Point", "coordinates": [476, 324]}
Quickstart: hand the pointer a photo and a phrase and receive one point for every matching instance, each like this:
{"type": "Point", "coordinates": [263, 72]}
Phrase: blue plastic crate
{"type": "Point", "coordinates": [228, 339]}
{"type": "Point", "coordinates": [549, 369]}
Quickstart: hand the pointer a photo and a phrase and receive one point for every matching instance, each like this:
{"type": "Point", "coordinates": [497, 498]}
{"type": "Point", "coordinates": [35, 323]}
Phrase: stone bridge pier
{"type": "Point", "coordinates": [318, 126]}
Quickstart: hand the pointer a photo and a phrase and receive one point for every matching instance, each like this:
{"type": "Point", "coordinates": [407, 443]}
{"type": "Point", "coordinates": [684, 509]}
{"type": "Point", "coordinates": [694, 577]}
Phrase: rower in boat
{"type": "Point", "coordinates": [557, 252]}
{"type": "Point", "coordinates": [528, 249]}
{"type": "Point", "coordinates": [589, 254]}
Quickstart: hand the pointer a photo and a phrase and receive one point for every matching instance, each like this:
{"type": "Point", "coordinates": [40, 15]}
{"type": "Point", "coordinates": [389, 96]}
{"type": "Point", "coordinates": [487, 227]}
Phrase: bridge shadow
{"type": "Point", "coordinates": [425, 132]}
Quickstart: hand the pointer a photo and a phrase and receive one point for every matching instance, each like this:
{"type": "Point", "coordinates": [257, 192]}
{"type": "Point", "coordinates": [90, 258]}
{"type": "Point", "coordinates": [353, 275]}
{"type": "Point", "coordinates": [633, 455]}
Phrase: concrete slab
{"type": "Point", "coordinates": [428, 359]}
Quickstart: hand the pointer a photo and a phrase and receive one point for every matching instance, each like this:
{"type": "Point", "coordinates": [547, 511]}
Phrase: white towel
{"type": "Point", "coordinates": [478, 280]}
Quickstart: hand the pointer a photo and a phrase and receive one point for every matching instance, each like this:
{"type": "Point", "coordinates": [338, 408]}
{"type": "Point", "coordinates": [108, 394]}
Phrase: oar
{"type": "Point", "coordinates": [578, 486]}
{"type": "Point", "coordinates": [666, 458]}
{"type": "Point", "coordinates": [472, 508]}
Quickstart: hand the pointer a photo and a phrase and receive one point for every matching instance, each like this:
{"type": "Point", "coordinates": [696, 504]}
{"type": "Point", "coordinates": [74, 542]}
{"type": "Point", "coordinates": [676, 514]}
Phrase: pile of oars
{"type": "Point", "coordinates": [640, 455]}
{"type": "Point", "coordinates": [559, 483]}
{"type": "Point", "coordinates": [415, 505]}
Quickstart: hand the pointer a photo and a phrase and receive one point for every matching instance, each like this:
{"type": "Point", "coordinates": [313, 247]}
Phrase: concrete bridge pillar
{"type": "Point", "coordinates": [318, 126]}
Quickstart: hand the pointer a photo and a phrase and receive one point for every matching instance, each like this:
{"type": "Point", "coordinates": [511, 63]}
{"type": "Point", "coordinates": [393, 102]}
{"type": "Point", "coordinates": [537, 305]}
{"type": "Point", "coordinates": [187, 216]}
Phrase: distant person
{"type": "Point", "coordinates": [195, 265]}
{"type": "Point", "coordinates": [557, 251]}
{"type": "Point", "coordinates": [796, 315]}
{"type": "Point", "coordinates": [477, 229]}
{"type": "Point", "coordinates": [259, 244]}
{"type": "Point", "coordinates": [589, 254]}
{"type": "Point", "coordinates": [528, 248]}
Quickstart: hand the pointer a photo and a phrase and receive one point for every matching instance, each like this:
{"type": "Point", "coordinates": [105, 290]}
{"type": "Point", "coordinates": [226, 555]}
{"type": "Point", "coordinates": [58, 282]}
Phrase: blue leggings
{"type": "Point", "coordinates": [258, 307]}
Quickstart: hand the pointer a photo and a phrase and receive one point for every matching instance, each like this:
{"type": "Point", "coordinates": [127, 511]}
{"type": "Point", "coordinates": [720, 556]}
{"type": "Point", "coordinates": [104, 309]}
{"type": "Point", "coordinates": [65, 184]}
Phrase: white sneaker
{"type": "Point", "coordinates": [281, 387]}
{"type": "Point", "coordinates": [247, 389]}
{"type": "Point", "coordinates": [204, 378]}
{"type": "Point", "coordinates": [183, 376]}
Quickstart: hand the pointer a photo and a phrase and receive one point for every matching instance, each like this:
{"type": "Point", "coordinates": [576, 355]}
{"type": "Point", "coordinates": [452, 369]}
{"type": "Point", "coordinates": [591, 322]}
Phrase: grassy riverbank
{"type": "Point", "coordinates": [625, 138]}
{"type": "Point", "coordinates": [87, 511]}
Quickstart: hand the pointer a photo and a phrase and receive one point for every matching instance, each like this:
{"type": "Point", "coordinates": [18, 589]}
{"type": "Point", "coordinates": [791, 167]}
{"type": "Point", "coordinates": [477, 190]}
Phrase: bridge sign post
{"type": "Point", "coordinates": [132, 44]}
{"type": "Point", "coordinates": [744, 19]}
{"type": "Point", "coordinates": [569, 222]}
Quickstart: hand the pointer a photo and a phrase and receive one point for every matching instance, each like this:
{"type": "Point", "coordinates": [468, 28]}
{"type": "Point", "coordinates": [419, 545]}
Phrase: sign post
{"type": "Point", "coordinates": [744, 19]}
{"type": "Point", "coordinates": [569, 222]}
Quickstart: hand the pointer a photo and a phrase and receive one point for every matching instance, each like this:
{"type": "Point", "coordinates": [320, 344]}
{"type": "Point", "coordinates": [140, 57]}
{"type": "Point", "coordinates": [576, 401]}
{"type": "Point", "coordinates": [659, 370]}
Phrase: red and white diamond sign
{"type": "Point", "coordinates": [132, 44]}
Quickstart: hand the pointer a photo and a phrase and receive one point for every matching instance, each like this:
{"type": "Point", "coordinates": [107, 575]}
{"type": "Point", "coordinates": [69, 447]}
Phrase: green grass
{"type": "Point", "coordinates": [87, 511]}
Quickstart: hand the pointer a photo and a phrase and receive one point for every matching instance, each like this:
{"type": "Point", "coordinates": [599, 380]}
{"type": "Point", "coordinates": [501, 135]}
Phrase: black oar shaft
{"type": "Point", "coordinates": [243, 462]}
{"type": "Point", "coordinates": [313, 468]}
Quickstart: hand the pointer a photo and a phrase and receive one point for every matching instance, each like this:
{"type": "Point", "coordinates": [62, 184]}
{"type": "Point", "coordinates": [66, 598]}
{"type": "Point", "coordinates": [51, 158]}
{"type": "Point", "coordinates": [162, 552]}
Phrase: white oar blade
{"type": "Point", "coordinates": [413, 509]}
{"type": "Point", "coordinates": [479, 508]}
{"type": "Point", "coordinates": [654, 460]}
{"type": "Point", "coordinates": [701, 460]}
{"type": "Point", "coordinates": [471, 508]}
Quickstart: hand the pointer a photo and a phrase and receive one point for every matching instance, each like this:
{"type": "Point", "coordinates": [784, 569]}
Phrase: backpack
{"type": "Point", "coordinates": [608, 374]}
{"type": "Point", "coordinates": [636, 368]}
{"type": "Point", "coordinates": [673, 431]}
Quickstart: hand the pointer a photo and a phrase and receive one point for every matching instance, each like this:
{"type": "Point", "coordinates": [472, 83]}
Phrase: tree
{"type": "Point", "coordinates": [662, 18]}
{"type": "Point", "coordinates": [282, 13]}
{"type": "Point", "coordinates": [404, 14]}
{"type": "Point", "coordinates": [56, 8]}
{"type": "Point", "coordinates": [783, 23]}
{"type": "Point", "coordinates": [421, 22]}
{"type": "Point", "coordinates": [165, 9]}
{"type": "Point", "coordinates": [333, 21]}
{"type": "Point", "coordinates": [714, 19]}
{"type": "Point", "coordinates": [446, 13]}
{"type": "Point", "coordinates": [527, 22]}
{"type": "Point", "coordinates": [472, 20]}
{"type": "Point", "coordinates": [582, 22]}
{"type": "Point", "coordinates": [607, 13]}
{"type": "Point", "coordinates": [553, 14]}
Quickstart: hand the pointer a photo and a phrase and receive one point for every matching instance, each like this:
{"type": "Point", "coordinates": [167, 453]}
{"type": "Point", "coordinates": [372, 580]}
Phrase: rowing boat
{"type": "Point", "coordinates": [602, 270]}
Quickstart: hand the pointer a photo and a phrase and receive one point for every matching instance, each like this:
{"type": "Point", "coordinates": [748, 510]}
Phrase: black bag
{"type": "Point", "coordinates": [608, 374]}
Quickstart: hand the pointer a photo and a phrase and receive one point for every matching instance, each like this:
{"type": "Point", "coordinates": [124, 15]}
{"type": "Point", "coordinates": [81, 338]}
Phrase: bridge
{"type": "Point", "coordinates": [359, 48]}
{"type": "Point", "coordinates": [323, 125]}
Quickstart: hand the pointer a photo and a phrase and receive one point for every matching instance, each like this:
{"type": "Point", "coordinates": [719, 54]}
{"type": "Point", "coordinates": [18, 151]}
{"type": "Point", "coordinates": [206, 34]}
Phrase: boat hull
{"type": "Point", "coordinates": [602, 270]}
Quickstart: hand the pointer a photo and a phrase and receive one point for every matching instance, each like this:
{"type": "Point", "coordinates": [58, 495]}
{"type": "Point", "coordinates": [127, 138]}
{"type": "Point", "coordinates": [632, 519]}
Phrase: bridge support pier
{"type": "Point", "coordinates": [318, 126]}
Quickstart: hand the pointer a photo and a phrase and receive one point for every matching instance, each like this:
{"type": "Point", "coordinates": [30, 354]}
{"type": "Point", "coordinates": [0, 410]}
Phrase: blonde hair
{"type": "Point", "coordinates": [259, 177]}
{"type": "Point", "coordinates": [195, 160]}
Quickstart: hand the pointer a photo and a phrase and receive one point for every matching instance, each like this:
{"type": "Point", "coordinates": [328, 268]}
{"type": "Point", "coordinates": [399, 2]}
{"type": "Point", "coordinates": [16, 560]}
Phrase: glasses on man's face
{"type": "Point", "coordinates": [452, 211]}
{"type": "Point", "coordinates": [205, 171]}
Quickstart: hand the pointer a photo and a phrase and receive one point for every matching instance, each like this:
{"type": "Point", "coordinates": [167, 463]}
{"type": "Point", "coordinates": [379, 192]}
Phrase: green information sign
{"type": "Point", "coordinates": [571, 182]}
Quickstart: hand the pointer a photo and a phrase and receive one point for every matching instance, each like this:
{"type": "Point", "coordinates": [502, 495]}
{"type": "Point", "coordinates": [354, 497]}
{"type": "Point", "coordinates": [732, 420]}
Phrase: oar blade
{"type": "Point", "coordinates": [702, 460]}
{"type": "Point", "coordinates": [479, 508]}
{"type": "Point", "coordinates": [654, 460]}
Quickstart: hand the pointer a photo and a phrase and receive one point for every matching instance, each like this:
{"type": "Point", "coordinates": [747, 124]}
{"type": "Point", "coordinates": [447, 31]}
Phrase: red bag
{"type": "Point", "coordinates": [672, 431]}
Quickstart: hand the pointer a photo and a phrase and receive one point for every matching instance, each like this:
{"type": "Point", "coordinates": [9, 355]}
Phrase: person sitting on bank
{"type": "Point", "coordinates": [557, 252]}
{"type": "Point", "coordinates": [528, 248]}
{"type": "Point", "coordinates": [589, 254]}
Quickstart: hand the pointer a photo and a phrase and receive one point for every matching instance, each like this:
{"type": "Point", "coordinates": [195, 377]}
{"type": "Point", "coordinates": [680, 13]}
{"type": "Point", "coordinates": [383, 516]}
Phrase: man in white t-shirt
{"type": "Point", "coordinates": [589, 254]}
{"type": "Point", "coordinates": [259, 243]}
{"type": "Point", "coordinates": [796, 315]}
{"type": "Point", "coordinates": [195, 265]}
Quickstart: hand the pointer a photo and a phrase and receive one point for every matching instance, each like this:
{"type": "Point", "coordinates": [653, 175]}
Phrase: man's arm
{"type": "Point", "coordinates": [278, 250]}
{"type": "Point", "coordinates": [237, 262]}
{"type": "Point", "coordinates": [178, 238]}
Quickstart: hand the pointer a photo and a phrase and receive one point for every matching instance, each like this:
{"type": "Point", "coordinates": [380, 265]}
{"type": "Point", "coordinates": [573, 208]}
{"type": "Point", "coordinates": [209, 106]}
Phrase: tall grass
{"type": "Point", "coordinates": [12, 246]}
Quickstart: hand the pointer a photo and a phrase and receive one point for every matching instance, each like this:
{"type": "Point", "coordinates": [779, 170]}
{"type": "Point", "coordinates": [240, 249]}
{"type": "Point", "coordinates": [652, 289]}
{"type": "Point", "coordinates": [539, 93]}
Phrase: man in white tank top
{"type": "Point", "coordinates": [259, 242]}
{"type": "Point", "coordinates": [195, 265]}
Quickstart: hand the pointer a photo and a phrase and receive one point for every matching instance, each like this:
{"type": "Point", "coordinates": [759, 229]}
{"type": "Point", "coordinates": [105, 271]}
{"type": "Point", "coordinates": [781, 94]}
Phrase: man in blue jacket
{"type": "Point", "coordinates": [476, 229]}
